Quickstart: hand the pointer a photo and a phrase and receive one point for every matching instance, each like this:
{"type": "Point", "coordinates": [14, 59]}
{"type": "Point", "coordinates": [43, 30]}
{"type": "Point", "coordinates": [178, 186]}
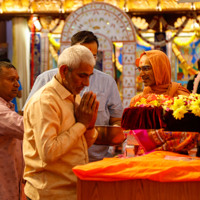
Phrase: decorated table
{"type": "Point", "coordinates": [159, 175]}
{"type": "Point", "coordinates": [159, 122]}
{"type": "Point", "coordinates": [164, 128]}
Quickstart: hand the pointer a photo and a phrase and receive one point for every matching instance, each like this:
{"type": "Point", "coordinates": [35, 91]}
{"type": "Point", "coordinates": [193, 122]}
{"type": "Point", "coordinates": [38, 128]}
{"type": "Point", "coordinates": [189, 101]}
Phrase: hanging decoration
{"type": "Point", "coordinates": [53, 41]}
{"type": "Point", "coordinates": [54, 47]}
{"type": "Point", "coordinates": [194, 45]}
{"type": "Point", "coordinates": [35, 61]}
{"type": "Point", "coordinates": [44, 52]}
{"type": "Point", "coordinates": [53, 53]}
{"type": "Point", "coordinates": [118, 55]}
{"type": "Point", "coordinates": [43, 24]}
{"type": "Point", "coordinates": [45, 6]}
{"type": "Point", "coordinates": [143, 47]}
{"type": "Point", "coordinates": [184, 65]}
{"type": "Point", "coordinates": [32, 55]}
{"type": "Point", "coordinates": [142, 42]}
{"type": "Point", "coordinates": [164, 42]}
{"type": "Point", "coordinates": [180, 42]}
{"type": "Point", "coordinates": [154, 21]}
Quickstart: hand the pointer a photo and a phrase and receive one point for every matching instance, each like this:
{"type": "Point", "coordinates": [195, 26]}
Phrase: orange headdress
{"type": "Point", "coordinates": [162, 73]}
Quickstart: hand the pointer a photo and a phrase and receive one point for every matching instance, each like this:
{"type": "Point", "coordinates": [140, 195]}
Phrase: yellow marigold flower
{"type": "Point", "coordinates": [177, 103]}
{"type": "Point", "coordinates": [142, 101]}
{"type": "Point", "coordinates": [154, 103]}
{"type": "Point", "coordinates": [168, 104]}
{"type": "Point", "coordinates": [195, 110]}
{"type": "Point", "coordinates": [195, 103]}
{"type": "Point", "coordinates": [179, 112]}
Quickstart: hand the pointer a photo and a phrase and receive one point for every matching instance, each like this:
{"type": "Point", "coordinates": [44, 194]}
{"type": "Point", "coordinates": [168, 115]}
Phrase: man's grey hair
{"type": "Point", "coordinates": [75, 55]}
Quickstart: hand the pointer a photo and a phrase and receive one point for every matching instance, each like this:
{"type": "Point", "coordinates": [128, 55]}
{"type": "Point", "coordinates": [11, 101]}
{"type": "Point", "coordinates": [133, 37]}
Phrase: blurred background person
{"type": "Point", "coordinates": [19, 94]}
{"type": "Point", "coordinates": [11, 135]}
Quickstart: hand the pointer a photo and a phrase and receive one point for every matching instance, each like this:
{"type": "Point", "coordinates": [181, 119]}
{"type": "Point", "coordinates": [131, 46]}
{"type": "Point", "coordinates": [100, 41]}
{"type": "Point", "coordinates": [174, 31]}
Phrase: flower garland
{"type": "Point", "coordinates": [184, 63]}
{"type": "Point", "coordinates": [180, 42]}
{"type": "Point", "coordinates": [38, 25]}
{"type": "Point", "coordinates": [154, 22]}
{"type": "Point", "coordinates": [161, 43]}
{"type": "Point", "coordinates": [53, 41]}
{"type": "Point", "coordinates": [54, 47]}
{"type": "Point", "coordinates": [179, 105]}
{"type": "Point", "coordinates": [53, 53]}
{"type": "Point", "coordinates": [142, 42]}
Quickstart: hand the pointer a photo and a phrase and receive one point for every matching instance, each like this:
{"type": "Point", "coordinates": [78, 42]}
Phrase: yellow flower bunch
{"type": "Point", "coordinates": [180, 104]}
{"type": "Point", "coordinates": [183, 104]}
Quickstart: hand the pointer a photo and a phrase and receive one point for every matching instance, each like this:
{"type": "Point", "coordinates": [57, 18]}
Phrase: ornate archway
{"type": "Point", "coordinates": [109, 24]}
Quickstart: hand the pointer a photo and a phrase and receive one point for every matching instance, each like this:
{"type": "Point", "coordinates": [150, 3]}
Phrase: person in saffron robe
{"type": "Point", "coordinates": [155, 71]}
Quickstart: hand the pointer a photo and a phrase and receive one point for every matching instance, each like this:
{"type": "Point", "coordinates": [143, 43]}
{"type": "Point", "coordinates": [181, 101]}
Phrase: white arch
{"type": "Point", "coordinates": [109, 24]}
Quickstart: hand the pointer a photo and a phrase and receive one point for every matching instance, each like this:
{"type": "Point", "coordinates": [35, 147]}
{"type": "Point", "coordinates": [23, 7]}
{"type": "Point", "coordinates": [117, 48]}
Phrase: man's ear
{"type": "Point", "coordinates": [63, 71]}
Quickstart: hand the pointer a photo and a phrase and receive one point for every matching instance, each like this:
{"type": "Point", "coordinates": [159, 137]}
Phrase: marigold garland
{"type": "Point", "coordinates": [53, 41]}
{"type": "Point", "coordinates": [180, 42]}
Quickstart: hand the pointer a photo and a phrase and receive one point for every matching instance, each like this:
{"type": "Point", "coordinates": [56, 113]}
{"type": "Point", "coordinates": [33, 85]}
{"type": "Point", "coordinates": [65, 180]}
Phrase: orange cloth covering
{"type": "Point", "coordinates": [162, 73]}
{"type": "Point", "coordinates": [157, 166]}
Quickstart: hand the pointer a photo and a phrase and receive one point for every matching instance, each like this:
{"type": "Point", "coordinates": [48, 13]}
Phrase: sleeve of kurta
{"type": "Point", "coordinates": [11, 123]}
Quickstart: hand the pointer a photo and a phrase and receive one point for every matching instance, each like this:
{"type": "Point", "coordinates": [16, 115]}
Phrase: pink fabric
{"type": "Point", "coordinates": [144, 140]}
{"type": "Point", "coordinates": [11, 160]}
{"type": "Point", "coordinates": [158, 139]}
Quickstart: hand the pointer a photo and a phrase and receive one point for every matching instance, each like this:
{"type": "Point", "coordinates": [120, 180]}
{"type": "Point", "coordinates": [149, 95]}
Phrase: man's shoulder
{"type": "Point", "coordinates": [42, 93]}
{"type": "Point", "coordinates": [50, 90]}
{"type": "Point", "coordinates": [50, 72]}
{"type": "Point", "coordinates": [96, 71]}
{"type": "Point", "coordinates": [6, 106]}
{"type": "Point", "coordinates": [2, 102]}
{"type": "Point", "coordinates": [103, 75]}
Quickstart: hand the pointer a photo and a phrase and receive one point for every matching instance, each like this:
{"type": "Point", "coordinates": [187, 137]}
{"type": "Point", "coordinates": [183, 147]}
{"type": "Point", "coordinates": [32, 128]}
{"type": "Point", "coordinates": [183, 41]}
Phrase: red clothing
{"type": "Point", "coordinates": [11, 159]}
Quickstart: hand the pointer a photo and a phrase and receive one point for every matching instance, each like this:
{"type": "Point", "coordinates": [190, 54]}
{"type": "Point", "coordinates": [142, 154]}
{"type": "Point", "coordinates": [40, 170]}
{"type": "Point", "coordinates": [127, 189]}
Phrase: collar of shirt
{"type": "Point", "coordinates": [61, 90]}
{"type": "Point", "coordinates": [64, 93]}
{"type": "Point", "coordinates": [8, 104]}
